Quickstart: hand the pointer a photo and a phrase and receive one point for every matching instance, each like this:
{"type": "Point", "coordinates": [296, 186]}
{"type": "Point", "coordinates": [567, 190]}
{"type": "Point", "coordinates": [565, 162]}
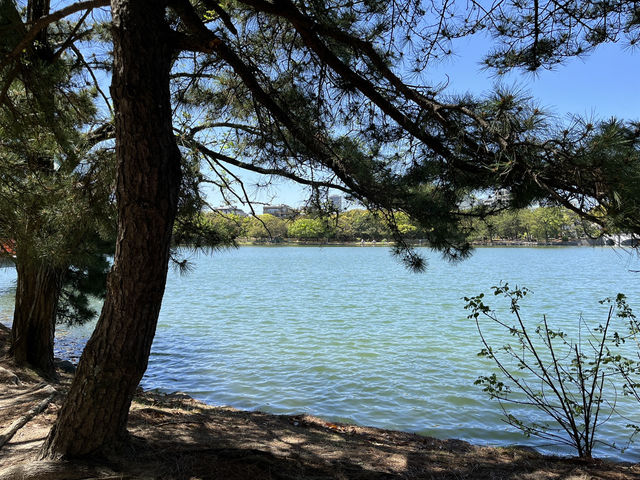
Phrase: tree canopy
{"type": "Point", "coordinates": [319, 93]}
{"type": "Point", "coordinates": [308, 91]}
{"type": "Point", "coordinates": [539, 224]}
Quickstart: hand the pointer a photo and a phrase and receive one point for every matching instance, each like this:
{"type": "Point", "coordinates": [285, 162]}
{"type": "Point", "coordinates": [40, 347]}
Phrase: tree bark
{"type": "Point", "coordinates": [94, 416]}
{"type": "Point", "coordinates": [35, 10]}
{"type": "Point", "coordinates": [34, 317]}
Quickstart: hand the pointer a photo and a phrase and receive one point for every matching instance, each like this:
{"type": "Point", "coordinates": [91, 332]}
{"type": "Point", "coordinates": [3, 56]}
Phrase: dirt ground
{"type": "Point", "coordinates": [176, 437]}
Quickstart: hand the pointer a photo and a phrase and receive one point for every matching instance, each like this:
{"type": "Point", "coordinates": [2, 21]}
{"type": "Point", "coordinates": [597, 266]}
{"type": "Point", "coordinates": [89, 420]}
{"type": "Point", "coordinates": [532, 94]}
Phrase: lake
{"type": "Point", "coordinates": [348, 334]}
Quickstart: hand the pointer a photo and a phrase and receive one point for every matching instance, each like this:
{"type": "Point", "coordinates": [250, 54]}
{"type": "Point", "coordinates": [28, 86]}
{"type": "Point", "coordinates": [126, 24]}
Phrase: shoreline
{"type": "Point", "coordinates": [177, 437]}
{"type": "Point", "coordinates": [67, 361]}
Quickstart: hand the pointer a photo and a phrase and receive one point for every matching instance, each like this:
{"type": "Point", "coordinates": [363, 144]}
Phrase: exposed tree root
{"type": "Point", "coordinates": [30, 391]}
{"type": "Point", "coordinates": [22, 421]}
{"type": "Point", "coordinates": [55, 470]}
{"type": "Point", "coordinates": [8, 377]}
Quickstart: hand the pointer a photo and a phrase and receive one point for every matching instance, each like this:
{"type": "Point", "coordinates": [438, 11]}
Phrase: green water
{"type": "Point", "coordinates": [348, 334]}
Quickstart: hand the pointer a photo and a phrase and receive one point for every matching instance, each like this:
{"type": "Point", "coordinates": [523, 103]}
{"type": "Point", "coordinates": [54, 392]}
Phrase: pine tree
{"type": "Point", "coordinates": [55, 209]}
{"type": "Point", "coordinates": [148, 183]}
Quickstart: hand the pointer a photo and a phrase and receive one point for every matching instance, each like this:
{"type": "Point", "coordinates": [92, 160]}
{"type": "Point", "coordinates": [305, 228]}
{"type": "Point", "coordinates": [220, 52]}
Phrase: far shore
{"type": "Point", "coordinates": [288, 242]}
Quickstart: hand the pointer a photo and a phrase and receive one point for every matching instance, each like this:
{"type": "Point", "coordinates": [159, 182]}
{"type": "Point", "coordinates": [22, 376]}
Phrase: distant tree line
{"type": "Point", "coordinates": [541, 224]}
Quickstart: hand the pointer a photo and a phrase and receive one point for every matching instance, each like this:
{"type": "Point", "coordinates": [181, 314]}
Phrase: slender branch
{"type": "Point", "coordinates": [72, 36]}
{"type": "Point", "coordinates": [222, 13]}
{"type": "Point", "coordinates": [43, 22]}
{"type": "Point", "coordinates": [93, 77]}
{"type": "Point", "coordinates": [265, 171]}
{"type": "Point", "coordinates": [237, 126]}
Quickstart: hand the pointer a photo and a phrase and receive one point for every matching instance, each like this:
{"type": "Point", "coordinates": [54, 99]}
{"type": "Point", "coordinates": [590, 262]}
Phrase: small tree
{"type": "Point", "coordinates": [628, 368]}
{"type": "Point", "coordinates": [563, 379]}
{"type": "Point", "coordinates": [230, 226]}
{"type": "Point", "coordinates": [549, 222]}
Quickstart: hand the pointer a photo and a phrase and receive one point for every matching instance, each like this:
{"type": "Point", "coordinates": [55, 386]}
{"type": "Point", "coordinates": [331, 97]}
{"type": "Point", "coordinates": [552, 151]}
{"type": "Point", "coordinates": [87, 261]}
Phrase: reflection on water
{"type": "Point", "coordinates": [350, 335]}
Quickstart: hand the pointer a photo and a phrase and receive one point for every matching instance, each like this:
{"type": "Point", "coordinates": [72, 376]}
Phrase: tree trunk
{"type": "Point", "coordinates": [39, 284]}
{"type": "Point", "coordinates": [35, 10]}
{"type": "Point", "coordinates": [94, 416]}
{"type": "Point", "coordinates": [34, 317]}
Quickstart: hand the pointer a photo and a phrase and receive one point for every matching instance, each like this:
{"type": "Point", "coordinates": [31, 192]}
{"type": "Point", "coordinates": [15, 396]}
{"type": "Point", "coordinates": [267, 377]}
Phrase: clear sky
{"type": "Point", "coordinates": [600, 85]}
{"type": "Point", "coordinates": [604, 83]}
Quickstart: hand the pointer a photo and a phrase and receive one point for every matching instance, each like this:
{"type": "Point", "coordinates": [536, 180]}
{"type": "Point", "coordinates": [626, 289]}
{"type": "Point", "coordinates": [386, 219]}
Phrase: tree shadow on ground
{"type": "Point", "coordinates": [190, 440]}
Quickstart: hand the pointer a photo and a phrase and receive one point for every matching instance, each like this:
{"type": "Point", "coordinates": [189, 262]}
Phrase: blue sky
{"type": "Point", "coordinates": [600, 85]}
{"type": "Point", "coordinates": [603, 83]}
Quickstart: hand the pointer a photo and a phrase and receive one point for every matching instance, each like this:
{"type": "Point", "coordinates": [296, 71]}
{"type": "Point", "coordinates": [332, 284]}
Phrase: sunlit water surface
{"type": "Point", "coordinates": [348, 334]}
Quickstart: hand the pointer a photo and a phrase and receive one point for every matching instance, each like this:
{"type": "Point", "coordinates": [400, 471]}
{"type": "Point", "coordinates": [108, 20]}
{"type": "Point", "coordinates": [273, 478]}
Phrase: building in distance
{"type": "Point", "coordinates": [230, 210]}
{"type": "Point", "coordinates": [280, 211]}
{"type": "Point", "coordinates": [336, 202]}
{"type": "Point", "coordinates": [499, 198]}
